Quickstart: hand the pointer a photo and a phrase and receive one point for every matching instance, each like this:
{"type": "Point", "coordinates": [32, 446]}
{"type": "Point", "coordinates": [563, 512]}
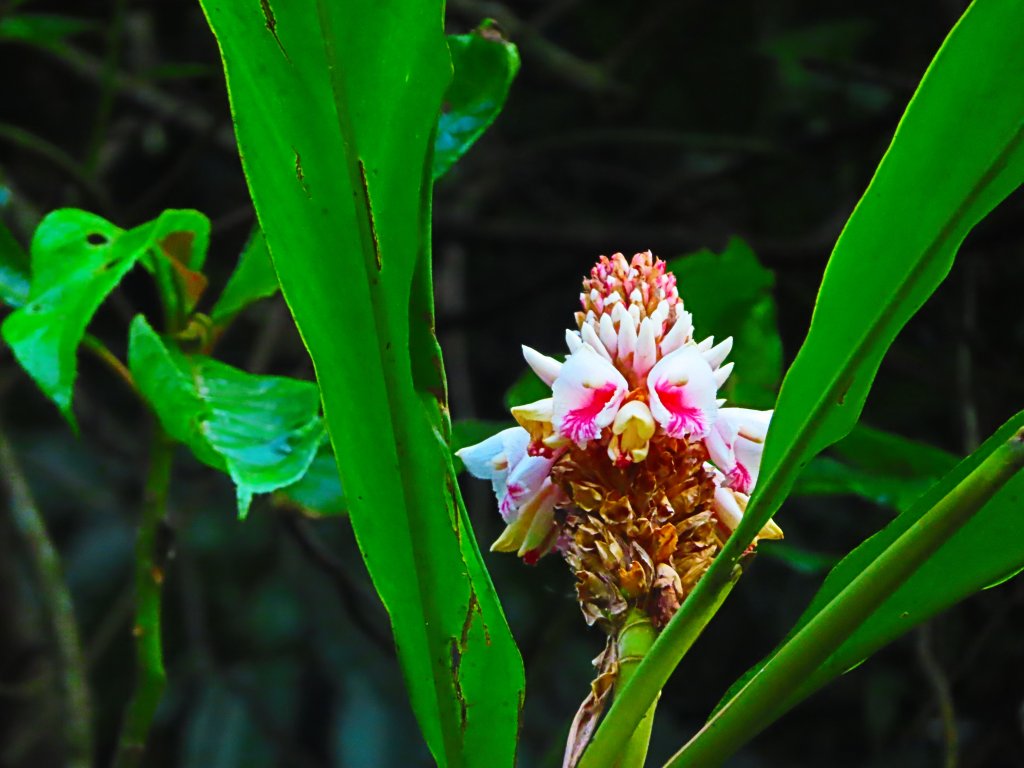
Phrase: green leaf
{"type": "Point", "coordinates": [77, 260]}
{"type": "Point", "coordinates": [253, 279]}
{"type": "Point", "coordinates": [485, 66]}
{"type": "Point", "coordinates": [179, 240]}
{"type": "Point", "coordinates": [319, 490]}
{"type": "Point", "coordinates": [335, 109]}
{"type": "Point", "coordinates": [731, 295]}
{"type": "Point", "coordinates": [44, 30]}
{"type": "Point", "coordinates": [956, 154]}
{"type": "Point", "coordinates": [528, 388]}
{"type": "Point", "coordinates": [14, 269]}
{"type": "Point", "coordinates": [887, 469]}
{"type": "Point", "coordinates": [800, 559]}
{"type": "Point", "coordinates": [875, 450]}
{"type": "Point", "coordinates": [900, 242]}
{"type": "Point", "coordinates": [987, 549]}
{"type": "Point", "coordinates": [262, 430]}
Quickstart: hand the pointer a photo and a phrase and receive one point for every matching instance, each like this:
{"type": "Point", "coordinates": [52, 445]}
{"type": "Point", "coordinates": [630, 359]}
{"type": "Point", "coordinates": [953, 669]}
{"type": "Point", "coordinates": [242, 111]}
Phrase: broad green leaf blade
{"type": "Point", "coordinates": [253, 279]}
{"type": "Point", "coordinates": [957, 153]}
{"type": "Point", "coordinates": [485, 65]}
{"type": "Point", "coordinates": [77, 260]}
{"type": "Point", "coordinates": [731, 295]}
{"type": "Point", "coordinates": [875, 450]}
{"type": "Point", "coordinates": [262, 430]}
{"type": "Point", "coordinates": [335, 110]}
{"type": "Point", "coordinates": [319, 490]}
{"type": "Point", "coordinates": [987, 550]}
{"type": "Point", "coordinates": [884, 468]}
{"type": "Point", "coordinates": [14, 270]}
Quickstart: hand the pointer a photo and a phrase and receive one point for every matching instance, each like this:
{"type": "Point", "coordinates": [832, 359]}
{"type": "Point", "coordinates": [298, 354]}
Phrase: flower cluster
{"type": "Point", "coordinates": [633, 469]}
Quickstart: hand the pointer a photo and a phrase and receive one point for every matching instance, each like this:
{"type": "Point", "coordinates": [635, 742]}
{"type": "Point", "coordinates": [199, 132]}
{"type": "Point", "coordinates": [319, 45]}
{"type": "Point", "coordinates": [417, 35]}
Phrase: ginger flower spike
{"type": "Point", "coordinates": [633, 469]}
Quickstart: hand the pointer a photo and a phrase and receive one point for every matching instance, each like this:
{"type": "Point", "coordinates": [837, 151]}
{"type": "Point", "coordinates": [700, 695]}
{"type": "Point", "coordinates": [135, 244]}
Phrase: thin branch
{"type": "Point", "coordinates": [150, 677]}
{"type": "Point", "coordinates": [57, 608]}
{"type": "Point", "coordinates": [358, 608]}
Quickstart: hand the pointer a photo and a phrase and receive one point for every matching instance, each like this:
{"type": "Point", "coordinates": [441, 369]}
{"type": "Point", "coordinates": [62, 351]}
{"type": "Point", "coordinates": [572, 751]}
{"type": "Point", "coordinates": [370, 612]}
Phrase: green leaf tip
{"type": "Point", "coordinates": [263, 431]}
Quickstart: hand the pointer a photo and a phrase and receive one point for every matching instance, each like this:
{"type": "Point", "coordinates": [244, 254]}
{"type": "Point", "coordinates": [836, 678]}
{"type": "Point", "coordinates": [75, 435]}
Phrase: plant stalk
{"type": "Point", "coordinates": [150, 677]}
{"type": "Point", "coordinates": [631, 705]}
{"type": "Point", "coordinates": [772, 691]}
{"type": "Point", "coordinates": [57, 607]}
{"type": "Point", "coordinates": [635, 640]}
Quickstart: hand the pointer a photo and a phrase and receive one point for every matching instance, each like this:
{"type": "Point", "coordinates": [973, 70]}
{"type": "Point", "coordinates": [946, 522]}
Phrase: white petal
{"type": "Point", "coordinates": [545, 367]}
{"type": "Point", "coordinates": [682, 391]}
{"type": "Point", "coordinates": [680, 333]}
{"type": "Point", "coordinates": [727, 508]}
{"type": "Point", "coordinates": [660, 314]}
{"type": "Point", "coordinates": [608, 335]}
{"type": "Point", "coordinates": [646, 354]}
{"type": "Point", "coordinates": [590, 337]}
{"type": "Point", "coordinates": [573, 340]}
{"type": "Point", "coordinates": [722, 374]}
{"type": "Point", "coordinates": [627, 336]}
{"type": "Point", "coordinates": [634, 312]}
{"type": "Point", "coordinates": [750, 423]}
{"type": "Point", "coordinates": [721, 442]}
{"type": "Point", "coordinates": [707, 344]}
{"type": "Point", "coordinates": [587, 396]}
{"type": "Point", "coordinates": [717, 354]}
{"type": "Point", "coordinates": [526, 478]}
{"type": "Point", "coordinates": [490, 457]}
{"type": "Point", "coordinates": [618, 312]}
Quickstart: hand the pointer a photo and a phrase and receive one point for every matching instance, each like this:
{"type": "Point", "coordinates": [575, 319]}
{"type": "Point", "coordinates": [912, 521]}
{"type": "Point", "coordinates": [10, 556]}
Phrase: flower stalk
{"type": "Point", "coordinates": [635, 639]}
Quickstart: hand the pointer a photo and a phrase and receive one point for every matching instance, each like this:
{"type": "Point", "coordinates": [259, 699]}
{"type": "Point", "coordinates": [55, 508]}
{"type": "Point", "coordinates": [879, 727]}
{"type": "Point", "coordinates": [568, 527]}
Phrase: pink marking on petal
{"type": "Point", "coordinates": [740, 480]}
{"type": "Point", "coordinates": [580, 424]}
{"type": "Point", "coordinates": [506, 507]}
{"type": "Point", "coordinates": [686, 419]}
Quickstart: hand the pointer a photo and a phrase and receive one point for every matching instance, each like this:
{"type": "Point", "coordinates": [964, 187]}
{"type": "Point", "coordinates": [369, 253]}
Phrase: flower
{"type": "Point", "coordinates": [633, 468]}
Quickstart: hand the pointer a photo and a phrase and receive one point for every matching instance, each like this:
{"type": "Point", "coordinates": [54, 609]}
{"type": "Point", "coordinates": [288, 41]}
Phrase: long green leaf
{"type": "Point", "coordinates": [962, 536]}
{"type": "Point", "coordinates": [956, 154]}
{"type": "Point", "coordinates": [262, 430]}
{"type": "Point", "coordinates": [335, 109]}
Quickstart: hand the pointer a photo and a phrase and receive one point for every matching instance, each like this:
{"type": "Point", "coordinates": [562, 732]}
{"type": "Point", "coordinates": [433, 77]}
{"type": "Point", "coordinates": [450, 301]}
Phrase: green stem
{"type": "Point", "coordinates": [772, 691]}
{"type": "Point", "coordinates": [631, 706]}
{"type": "Point", "coordinates": [149, 665]}
{"type": "Point", "coordinates": [56, 602]}
{"type": "Point", "coordinates": [635, 640]}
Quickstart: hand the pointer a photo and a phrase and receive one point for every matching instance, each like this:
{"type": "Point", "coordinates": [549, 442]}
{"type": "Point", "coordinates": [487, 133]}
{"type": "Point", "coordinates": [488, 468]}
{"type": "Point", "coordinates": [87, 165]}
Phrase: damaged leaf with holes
{"type": "Point", "coordinates": [263, 431]}
{"type": "Point", "coordinates": [77, 260]}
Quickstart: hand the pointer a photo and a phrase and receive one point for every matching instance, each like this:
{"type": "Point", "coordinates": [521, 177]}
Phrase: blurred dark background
{"type": "Point", "coordinates": [661, 125]}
